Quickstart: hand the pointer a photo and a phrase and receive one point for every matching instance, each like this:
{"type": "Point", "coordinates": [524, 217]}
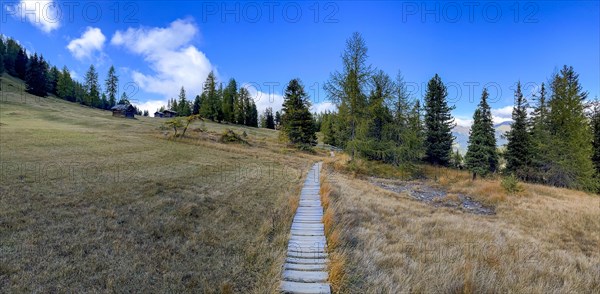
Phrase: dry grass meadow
{"type": "Point", "coordinates": [541, 240]}
{"type": "Point", "coordinates": [92, 203]}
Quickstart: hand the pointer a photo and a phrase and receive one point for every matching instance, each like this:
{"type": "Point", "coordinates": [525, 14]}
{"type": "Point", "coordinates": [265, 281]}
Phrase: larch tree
{"type": "Point", "coordinates": [348, 88]}
{"type": "Point", "coordinates": [570, 147]}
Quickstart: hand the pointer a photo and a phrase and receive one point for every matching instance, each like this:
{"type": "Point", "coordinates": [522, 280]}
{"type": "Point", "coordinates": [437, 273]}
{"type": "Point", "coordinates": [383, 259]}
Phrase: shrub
{"type": "Point", "coordinates": [511, 184]}
{"type": "Point", "coordinates": [229, 136]}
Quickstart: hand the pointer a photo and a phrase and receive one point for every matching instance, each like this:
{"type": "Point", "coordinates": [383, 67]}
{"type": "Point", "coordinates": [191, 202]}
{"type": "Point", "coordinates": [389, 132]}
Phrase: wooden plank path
{"type": "Point", "coordinates": [305, 268]}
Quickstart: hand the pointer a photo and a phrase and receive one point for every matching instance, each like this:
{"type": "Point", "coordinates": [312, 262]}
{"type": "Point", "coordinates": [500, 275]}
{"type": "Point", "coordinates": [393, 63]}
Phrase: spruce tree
{"type": "Point", "coordinates": [438, 123]}
{"type": "Point", "coordinates": [241, 106]}
{"type": "Point", "coordinates": [595, 126]}
{"type": "Point", "coordinates": [12, 50]}
{"type": "Point", "coordinates": [518, 149]}
{"type": "Point", "coordinates": [210, 101]}
{"type": "Point", "coordinates": [65, 86]}
{"type": "Point", "coordinates": [297, 120]}
{"type": "Point", "coordinates": [92, 87]}
{"type": "Point", "coordinates": [112, 86]}
{"type": "Point", "coordinates": [253, 115]}
{"type": "Point", "coordinates": [124, 99]}
{"type": "Point", "coordinates": [104, 104]}
{"type": "Point", "coordinates": [277, 119]}
{"type": "Point", "coordinates": [482, 157]}
{"type": "Point", "coordinates": [36, 77]}
{"type": "Point", "coordinates": [570, 148]}
{"type": "Point", "coordinates": [2, 54]}
{"type": "Point", "coordinates": [540, 137]}
{"type": "Point", "coordinates": [53, 75]}
{"type": "Point", "coordinates": [269, 120]}
{"type": "Point", "coordinates": [229, 94]}
{"type": "Point", "coordinates": [184, 106]}
{"type": "Point", "coordinates": [21, 62]}
{"type": "Point", "coordinates": [196, 105]}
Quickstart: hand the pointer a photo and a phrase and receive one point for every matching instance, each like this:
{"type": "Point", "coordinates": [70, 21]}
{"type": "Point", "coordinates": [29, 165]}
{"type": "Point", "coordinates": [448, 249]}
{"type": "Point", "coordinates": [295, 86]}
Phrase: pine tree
{"type": "Point", "coordinates": [570, 147]}
{"type": "Point", "coordinates": [112, 86]}
{"type": "Point", "coordinates": [438, 123]}
{"type": "Point", "coordinates": [518, 149]}
{"type": "Point", "coordinates": [92, 87]}
{"type": "Point", "coordinates": [297, 120]}
{"type": "Point", "coordinates": [347, 89]}
{"type": "Point", "coordinates": [482, 157]}
{"type": "Point", "coordinates": [229, 94]}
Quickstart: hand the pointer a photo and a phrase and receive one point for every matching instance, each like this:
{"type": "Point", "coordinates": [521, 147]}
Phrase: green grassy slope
{"type": "Point", "coordinates": [89, 202]}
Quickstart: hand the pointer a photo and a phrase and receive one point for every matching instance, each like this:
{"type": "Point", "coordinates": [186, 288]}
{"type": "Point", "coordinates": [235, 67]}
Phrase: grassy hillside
{"type": "Point", "coordinates": [95, 203]}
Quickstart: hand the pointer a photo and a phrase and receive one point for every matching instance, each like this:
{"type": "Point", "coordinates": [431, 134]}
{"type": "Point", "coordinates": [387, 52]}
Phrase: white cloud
{"type": "Point", "coordinates": [45, 15]}
{"type": "Point", "coordinates": [151, 105]}
{"type": "Point", "coordinates": [263, 99]}
{"type": "Point", "coordinates": [91, 40]}
{"type": "Point", "coordinates": [500, 115]}
{"type": "Point", "coordinates": [173, 61]}
{"type": "Point", "coordinates": [323, 106]}
{"type": "Point", "coordinates": [463, 121]}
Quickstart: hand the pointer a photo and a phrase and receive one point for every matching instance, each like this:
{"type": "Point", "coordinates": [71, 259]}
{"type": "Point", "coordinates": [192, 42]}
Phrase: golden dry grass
{"type": "Point", "coordinates": [92, 203]}
{"type": "Point", "coordinates": [337, 260]}
{"type": "Point", "coordinates": [545, 240]}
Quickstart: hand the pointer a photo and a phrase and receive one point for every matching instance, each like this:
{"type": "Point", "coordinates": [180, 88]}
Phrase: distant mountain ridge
{"type": "Point", "coordinates": [461, 135]}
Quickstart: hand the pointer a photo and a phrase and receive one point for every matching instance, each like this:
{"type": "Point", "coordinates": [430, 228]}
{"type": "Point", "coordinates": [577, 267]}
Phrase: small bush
{"type": "Point", "coordinates": [229, 136]}
{"type": "Point", "coordinates": [511, 184]}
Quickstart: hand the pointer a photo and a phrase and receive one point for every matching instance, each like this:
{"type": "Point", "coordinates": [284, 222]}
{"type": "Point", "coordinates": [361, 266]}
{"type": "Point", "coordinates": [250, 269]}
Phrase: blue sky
{"type": "Point", "coordinates": [159, 46]}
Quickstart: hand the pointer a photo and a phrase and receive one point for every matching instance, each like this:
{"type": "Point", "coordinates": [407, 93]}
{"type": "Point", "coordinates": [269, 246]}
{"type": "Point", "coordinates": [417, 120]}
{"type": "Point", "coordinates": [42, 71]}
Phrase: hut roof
{"type": "Point", "coordinates": [122, 107]}
{"type": "Point", "coordinates": [170, 111]}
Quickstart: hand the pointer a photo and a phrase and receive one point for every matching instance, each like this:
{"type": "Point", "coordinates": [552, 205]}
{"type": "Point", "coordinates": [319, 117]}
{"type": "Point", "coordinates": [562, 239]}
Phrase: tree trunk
{"type": "Point", "coordinates": [474, 176]}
